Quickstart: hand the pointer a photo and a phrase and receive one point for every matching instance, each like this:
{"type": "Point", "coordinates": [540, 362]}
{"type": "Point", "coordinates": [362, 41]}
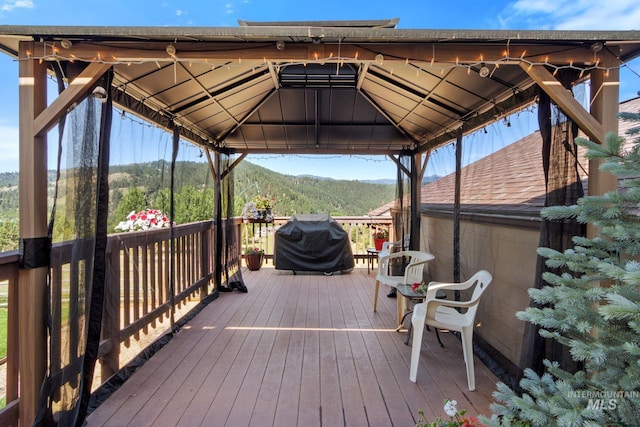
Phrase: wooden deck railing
{"type": "Point", "coordinates": [138, 302]}
{"type": "Point", "coordinates": [142, 304]}
{"type": "Point", "coordinates": [360, 230]}
{"type": "Point", "coordinates": [9, 284]}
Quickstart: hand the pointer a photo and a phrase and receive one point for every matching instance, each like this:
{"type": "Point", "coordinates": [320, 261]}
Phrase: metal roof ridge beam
{"type": "Point", "coordinates": [249, 114]}
{"type": "Point", "coordinates": [161, 118]}
{"type": "Point", "coordinates": [386, 116]}
{"type": "Point", "coordinates": [274, 75]}
{"type": "Point", "coordinates": [362, 75]}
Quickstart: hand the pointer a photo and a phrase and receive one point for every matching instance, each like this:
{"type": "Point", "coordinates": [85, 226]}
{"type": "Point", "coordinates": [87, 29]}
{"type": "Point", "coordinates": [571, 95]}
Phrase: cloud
{"type": "Point", "coordinates": [229, 8]}
{"type": "Point", "coordinates": [181, 12]}
{"type": "Point", "coordinates": [8, 6]}
{"type": "Point", "coordinates": [572, 15]}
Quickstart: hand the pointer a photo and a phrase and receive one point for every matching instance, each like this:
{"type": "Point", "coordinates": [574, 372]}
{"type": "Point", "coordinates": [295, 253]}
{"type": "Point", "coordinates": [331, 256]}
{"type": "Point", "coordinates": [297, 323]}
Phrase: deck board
{"type": "Point", "coordinates": [303, 350]}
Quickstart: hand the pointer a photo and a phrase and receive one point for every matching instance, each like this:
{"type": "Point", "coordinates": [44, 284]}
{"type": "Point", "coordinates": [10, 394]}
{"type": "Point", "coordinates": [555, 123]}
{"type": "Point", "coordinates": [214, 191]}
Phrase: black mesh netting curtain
{"type": "Point", "coordinates": [563, 187]}
{"type": "Point", "coordinates": [227, 238]}
{"type": "Point", "coordinates": [78, 235]}
{"type": "Point", "coordinates": [79, 226]}
{"type": "Point", "coordinates": [402, 221]}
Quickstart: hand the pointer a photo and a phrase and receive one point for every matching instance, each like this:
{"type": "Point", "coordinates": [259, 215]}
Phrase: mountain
{"type": "Point", "coordinates": [310, 194]}
{"type": "Point", "coordinates": [291, 194]}
{"type": "Point", "coordinates": [144, 185]}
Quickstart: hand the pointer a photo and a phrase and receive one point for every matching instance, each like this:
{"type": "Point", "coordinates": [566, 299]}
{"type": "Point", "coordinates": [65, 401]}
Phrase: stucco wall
{"type": "Point", "coordinates": [508, 253]}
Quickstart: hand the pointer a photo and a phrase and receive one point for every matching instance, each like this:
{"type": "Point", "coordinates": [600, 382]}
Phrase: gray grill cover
{"type": "Point", "coordinates": [313, 242]}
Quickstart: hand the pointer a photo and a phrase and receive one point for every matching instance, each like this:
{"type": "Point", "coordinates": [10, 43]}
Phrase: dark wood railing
{"type": "Point", "coordinates": [360, 230]}
{"type": "Point", "coordinates": [141, 264]}
{"type": "Point", "coordinates": [9, 283]}
{"type": "Point", "coordinates": [138, 301]}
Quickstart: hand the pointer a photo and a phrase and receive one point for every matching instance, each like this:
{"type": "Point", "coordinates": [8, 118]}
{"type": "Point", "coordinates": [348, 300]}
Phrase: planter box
{"type": "Point", "coordinates": [254, 261]}
{"type": "Point", "coordinates": [378, 243]}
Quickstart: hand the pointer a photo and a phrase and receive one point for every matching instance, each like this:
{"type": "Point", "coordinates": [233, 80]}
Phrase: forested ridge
{"type": "Point", "coordinates": [146, 185]}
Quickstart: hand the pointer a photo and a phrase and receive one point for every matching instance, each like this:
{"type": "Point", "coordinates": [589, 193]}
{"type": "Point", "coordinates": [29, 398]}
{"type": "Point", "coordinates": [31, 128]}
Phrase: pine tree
{"type": "Point", "coordinates": [592, 307]}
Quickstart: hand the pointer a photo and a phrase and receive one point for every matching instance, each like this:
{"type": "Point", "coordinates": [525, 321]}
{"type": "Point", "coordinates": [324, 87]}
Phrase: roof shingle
{"type": "Point", "coordinates": [510, 180]}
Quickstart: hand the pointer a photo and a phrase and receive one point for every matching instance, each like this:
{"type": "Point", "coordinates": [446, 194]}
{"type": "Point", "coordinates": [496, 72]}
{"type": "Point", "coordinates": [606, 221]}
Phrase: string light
{"type": "Point", "coordinates": [52, 53]}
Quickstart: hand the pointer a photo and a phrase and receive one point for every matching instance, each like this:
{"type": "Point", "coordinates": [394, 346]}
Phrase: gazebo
{"type": "Point", "coordinates": [341, 87]}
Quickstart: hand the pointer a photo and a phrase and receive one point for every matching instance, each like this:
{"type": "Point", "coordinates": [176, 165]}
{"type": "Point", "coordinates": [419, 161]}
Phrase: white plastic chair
{"type": "Point", "coordinates": [443, 314]}
{"type": "Point", "coordinates": [403, 245]}
{"type": "Point", "coordinates": [415, 262]}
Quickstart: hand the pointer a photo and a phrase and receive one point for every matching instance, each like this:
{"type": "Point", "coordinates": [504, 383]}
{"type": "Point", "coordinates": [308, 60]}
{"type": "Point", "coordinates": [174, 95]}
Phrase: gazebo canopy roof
{"type": "Point", "coordinates": [352, 87]}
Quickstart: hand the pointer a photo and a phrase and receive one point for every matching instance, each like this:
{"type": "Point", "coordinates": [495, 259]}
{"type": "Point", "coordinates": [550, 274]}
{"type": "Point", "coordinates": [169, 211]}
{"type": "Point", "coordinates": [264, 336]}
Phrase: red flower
{"type": "Point", "coordinates": [144, 220]}
{"type": "Point", "coordinates": [415, 286]}
{"type": "Point", "coordinates": [471, 422]}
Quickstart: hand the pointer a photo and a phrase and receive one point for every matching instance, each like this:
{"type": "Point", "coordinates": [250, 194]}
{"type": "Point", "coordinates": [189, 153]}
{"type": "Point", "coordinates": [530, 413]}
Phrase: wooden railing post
{"type": "Point", "coordinates": [9, 273]}
{"type": "Point", "coordinates": [110, 361]}
{"type": "Point", "coordinates": [204, 261]}
{"type": "Point", "coordinates": [13, 355]}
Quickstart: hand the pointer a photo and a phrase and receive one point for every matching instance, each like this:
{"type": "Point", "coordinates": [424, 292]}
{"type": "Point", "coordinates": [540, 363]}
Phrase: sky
{"type": "Point", "coordinates": [413, 14]}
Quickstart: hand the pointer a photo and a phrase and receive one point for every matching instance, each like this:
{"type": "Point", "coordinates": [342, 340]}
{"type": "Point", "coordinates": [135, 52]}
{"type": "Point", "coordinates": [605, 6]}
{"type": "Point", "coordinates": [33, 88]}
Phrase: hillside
{"type": "Point", "coordinates": [305, 194]}
{"type": "Point", "coordinates": [292, 194]}
{"type": "Point", "coordinates": [136, 186]}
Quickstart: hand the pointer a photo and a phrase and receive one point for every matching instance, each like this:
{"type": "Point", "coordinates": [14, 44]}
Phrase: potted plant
{"type": "Point", "coordinates": [146, 219]}
{"type": "Point", "coordinates": [264, 206]}
{"type": "Point", "coordinates": [456, 418]}
{"type": "Point", "coordinates": [380, 236]}
{"type": "Point", "coordinates": [253, 257]}
{"type": "Point", "coordinates": [397, 266]}
{"type": "Point", "coordinates": [260, 209]}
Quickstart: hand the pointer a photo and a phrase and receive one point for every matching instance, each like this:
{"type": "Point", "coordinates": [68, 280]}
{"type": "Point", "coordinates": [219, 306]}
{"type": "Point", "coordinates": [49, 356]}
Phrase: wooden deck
{"type": "Point", "coordinates": [296, 350]}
